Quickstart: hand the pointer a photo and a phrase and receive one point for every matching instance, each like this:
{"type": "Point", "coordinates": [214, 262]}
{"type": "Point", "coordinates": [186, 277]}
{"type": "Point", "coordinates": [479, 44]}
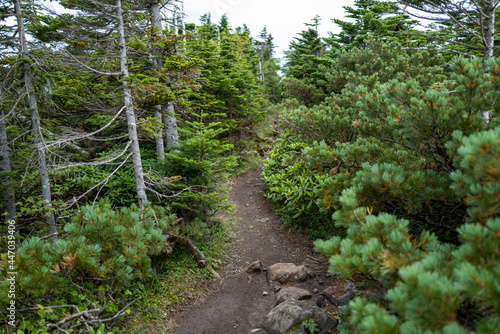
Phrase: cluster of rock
{"type": "Point", "coordinates": [295, 312]}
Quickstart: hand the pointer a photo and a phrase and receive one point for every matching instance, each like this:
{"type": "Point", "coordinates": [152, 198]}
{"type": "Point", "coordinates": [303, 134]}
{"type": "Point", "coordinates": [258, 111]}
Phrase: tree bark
{"type": "Point", "coordinates": [129, 109]}
{"type": "Point", "coordinates": [489, 31]}
{"type": "Point", "coordinates": [9, 197]}
{"type": "Point", "coordinates": [201, 259]}
{"type": "Point", "coordinates": [171, 127]}
{"type": "Point", "coordinates": [36, 127]}
{"type": "Point", "coordinates": [169, 119]}
{"type": "Point", "coordinates": [160, 147]}
{"type": "Point", "coordinates": [155, 13]}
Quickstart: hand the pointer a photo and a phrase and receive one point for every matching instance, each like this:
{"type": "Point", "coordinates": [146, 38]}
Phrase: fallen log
{"type": "Point", "coordinates": [200, 257]}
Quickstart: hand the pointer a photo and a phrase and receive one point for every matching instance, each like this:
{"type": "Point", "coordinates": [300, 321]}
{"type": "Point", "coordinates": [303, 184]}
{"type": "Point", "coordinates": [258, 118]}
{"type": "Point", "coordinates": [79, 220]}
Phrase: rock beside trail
{"type": "Point", "coordinates": [300, 330]}
{"type": "Point", "coordinates": [320, 301]}
{"type": "Point", "coordinates": [291, 312]}
{"type": "Point", "coordinates": [255, 266]}
{"type": "Point", "coordinates": [292, 293]}
{"type": "Point", "coordinates": [348, 295]}
{"type": "Point", "coordinates": [287, 272]}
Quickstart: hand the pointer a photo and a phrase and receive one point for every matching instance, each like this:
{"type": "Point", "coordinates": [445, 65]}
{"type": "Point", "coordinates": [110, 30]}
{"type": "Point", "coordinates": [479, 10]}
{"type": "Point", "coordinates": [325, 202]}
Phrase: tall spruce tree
{"type": "Point", "coordinates": [372, 19]}
{"type": "Point", "coordinates": [305, 81]}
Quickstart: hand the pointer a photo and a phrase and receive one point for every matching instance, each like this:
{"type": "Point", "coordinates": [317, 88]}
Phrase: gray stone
{"type": "Point", "coordinates": [257, 265]}
{"type": "Point", "coordinates": [265, 293]}
{"type": "Point", "coordinates": [349, 294]}
{"type": "Point", "coordinates": [315, 290]}
{"type": "Point", "coordinates": [287, 272]}
{"type": "Point", "coordinates": [290, 312]}
{"type": "Point", "coordinates": [320, 301]}
{"type": "Point", "coordinates": [300, 330]}
{"type": "Point", "coordinates": [292, 293]}
{"type": "Point", "coordinates": [276, 288]}
{"type": "Point", "coordinates": [255, 330]}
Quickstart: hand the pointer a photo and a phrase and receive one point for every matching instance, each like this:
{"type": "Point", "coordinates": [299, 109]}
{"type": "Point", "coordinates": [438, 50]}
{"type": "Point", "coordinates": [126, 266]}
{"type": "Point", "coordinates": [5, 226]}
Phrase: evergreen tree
{"type": "Point", "coordinates": [372, 19]}
{"type": "Point", "coordinates": [268, 66]}
{"type": "Point", "coordinates": [9, 198]}
{"type": "Point", "coordinates": [230, 92]}
{"type": "Point", "coordinates": [304, 79]}
{"type": "Point", "coordinates": [303, 55]}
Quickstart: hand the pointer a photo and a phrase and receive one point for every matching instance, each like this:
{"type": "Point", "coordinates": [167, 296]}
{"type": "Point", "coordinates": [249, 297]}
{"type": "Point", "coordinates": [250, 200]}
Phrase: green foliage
{"type": "Point", "coordinates": [372, 19]}
{"type": "Point", "coordinates": [305, 81]}
{"type": "Point", "coordinates": [230, 93]}
{"type": "Point", "coordinates": [403, 159]}
{"type": "Point", "coordinates": [293, 184]}
{"type": "Point", "coordinates": [310, 326]}
{"type": "Point", "coordinates": [100, 244]}
{"type": "Point", "coordinates": [433, 289]}
{"type": "Point", "coordinates": [202, 161]}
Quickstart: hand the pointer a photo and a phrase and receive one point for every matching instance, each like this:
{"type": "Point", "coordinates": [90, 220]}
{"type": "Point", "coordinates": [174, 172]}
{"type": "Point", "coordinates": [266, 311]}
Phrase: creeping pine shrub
{"type": "Point", "coordinates": [431, 286]}
{"type": "Point", "coordinates": [412, 172]}
{"type": "Point", "coordinates": [101, 245]}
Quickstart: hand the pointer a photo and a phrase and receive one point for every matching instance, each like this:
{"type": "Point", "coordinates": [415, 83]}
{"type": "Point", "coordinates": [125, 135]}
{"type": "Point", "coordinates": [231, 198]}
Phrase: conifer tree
{"type": "Point", "coordinates": [372, 19]}
{"type": "Point", "coordinates": [9, 199]}
{"type": "Point", "coordinates": [399, 163]}
{"type": "Point", "coordinates": [230, 91]}
{"type": "Point", "coordinates": [268, 66]}
{"type": "Point", "coordinates": [305, 80]}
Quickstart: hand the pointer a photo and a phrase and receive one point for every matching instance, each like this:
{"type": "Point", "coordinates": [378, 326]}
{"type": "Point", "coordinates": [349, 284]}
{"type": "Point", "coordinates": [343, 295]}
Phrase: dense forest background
{"type": "Point", "coordinates": [117, 132]}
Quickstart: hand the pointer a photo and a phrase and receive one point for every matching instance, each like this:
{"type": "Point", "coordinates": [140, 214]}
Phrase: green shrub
{"type": "Point", "coordinates": [432, 286]}
{"type": "Point", "coordinates": [99, 244]}
{"type": "Point", "coordinates": [404, 159]}
{"type": "Point", "coordinates": [292, 185]}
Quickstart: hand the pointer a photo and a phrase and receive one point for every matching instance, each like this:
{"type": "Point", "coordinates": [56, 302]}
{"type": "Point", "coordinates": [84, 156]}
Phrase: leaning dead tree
{"type": "Point", "coordinates": [129, 109]}
{"type": "Point", "coordinates": [36, 125]}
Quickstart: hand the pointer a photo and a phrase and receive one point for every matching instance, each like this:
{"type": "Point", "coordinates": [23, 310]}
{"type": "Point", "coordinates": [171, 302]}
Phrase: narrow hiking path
{"type": "Point", "coordinates": [240, 303]}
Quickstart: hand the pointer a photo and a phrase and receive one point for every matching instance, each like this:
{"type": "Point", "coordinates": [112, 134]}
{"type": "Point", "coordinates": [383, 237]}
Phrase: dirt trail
{"type": "Point", "coordinates": [239, 306]}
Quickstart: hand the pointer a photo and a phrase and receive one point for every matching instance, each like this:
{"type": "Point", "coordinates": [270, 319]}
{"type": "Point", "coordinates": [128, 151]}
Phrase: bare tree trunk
{"type": "Point", "coordinates": [129, 109]}
{"type": "Point", "coordinates": [37, 130]}
{"type": "Point", "coordinates": [489, 41]}
{"type": "Point", "coordinates": [9, 197]}
{"type": "Point", "coordinates": [171, 127]}
{"type": "Point", "coordinates": [169, 119]}
{"type": "Point", "coordinates": [489, 31]}
{"type": "Point", "coordinates": [156, 22]}
{"type": "Point", "coordinates": [160, 147]}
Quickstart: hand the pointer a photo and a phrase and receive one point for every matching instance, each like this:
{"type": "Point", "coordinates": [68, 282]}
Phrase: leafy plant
{"type": "Point", "coordinates": [310, 326]}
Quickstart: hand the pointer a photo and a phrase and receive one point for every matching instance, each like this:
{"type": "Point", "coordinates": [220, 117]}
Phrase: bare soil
{"type": "Point", "coordinates": [239, 303]}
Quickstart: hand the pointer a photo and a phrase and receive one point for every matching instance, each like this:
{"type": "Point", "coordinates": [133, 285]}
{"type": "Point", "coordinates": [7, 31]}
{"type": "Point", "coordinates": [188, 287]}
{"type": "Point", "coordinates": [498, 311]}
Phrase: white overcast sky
{"type": "Point", "coordinates": [284, 18]}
